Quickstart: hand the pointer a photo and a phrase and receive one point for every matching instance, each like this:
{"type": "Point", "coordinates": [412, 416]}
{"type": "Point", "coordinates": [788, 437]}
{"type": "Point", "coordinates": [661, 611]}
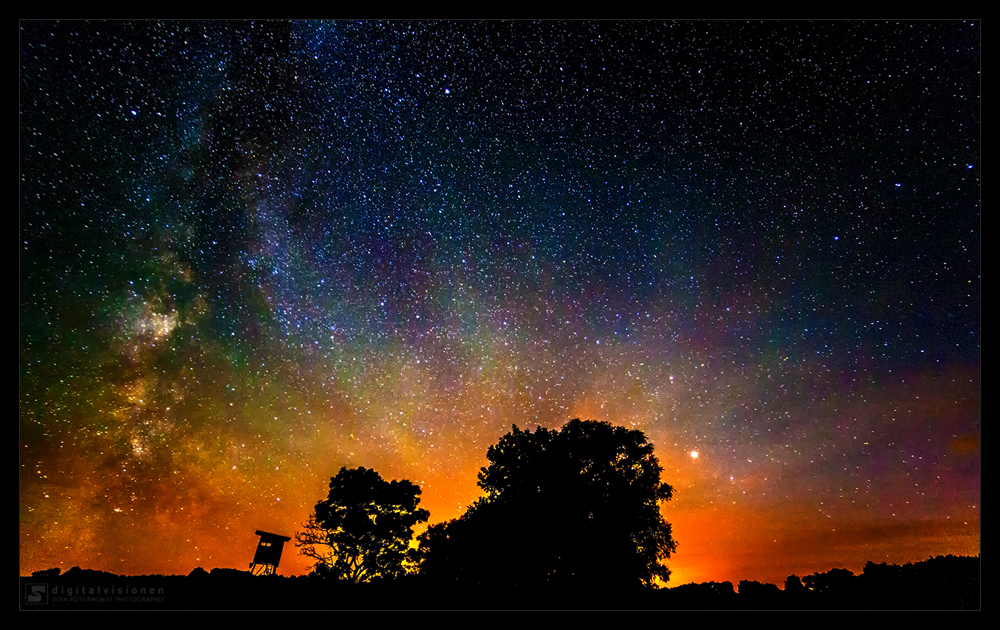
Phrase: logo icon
{"type": "Point", "coordinates": [36, 593]}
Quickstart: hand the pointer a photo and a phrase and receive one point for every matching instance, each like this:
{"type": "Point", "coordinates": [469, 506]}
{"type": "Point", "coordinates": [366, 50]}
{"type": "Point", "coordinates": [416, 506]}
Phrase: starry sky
{"type": "Point", "coordinates": [251, 253]}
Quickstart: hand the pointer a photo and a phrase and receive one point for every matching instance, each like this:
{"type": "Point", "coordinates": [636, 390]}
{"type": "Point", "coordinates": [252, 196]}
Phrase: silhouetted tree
{"type": "Point", "coordinates": [793, 584]}
{"type": "Point", "coordinates": [941, 582]}
{"type": "Point", "coordinates": [577, 508]}
{"type": "Point", "coordinates": [834, 581]}
{"type": "Point", "coordinates": [706, 596]}
{"type": "Point", "coordinates": [362, 530]}
{"type": "Point", "coordinates": [754, 594]}
{"type": "Point", "coordinates": [836, 588]}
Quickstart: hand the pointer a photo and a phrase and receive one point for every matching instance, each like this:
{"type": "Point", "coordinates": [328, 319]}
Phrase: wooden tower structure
{"type": "Point", "coordinates": [265, 560]}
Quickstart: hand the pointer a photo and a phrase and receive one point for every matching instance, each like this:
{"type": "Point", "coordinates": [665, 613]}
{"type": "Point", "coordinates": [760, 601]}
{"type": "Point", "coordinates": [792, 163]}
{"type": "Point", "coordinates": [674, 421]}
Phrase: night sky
{"type": "Point", "coordinates": [253, 253]}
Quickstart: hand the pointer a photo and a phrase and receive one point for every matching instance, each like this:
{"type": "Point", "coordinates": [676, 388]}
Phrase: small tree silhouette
{"type": "Point", "coordinates": [793, 584]}
{"type": "Point", "coordinates": [362, 530]}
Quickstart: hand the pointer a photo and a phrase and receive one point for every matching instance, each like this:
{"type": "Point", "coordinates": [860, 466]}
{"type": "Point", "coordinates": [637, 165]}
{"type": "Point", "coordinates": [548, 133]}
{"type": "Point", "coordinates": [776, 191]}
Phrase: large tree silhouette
{"type": "Point", "coordinates": [574, 509]}
{"type": "Point", "coordinates": [362, 530]}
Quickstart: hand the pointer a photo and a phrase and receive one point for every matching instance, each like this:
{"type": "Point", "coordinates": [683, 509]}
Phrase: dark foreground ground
{"type": "Point", "coordinates": [941, 583]}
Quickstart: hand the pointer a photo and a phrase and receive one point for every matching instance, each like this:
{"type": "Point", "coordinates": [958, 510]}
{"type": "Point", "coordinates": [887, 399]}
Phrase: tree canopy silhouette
{"type": "Point", "coordinates": [576, 508]}
{"type": "Point", "coordinates": [362, 530]}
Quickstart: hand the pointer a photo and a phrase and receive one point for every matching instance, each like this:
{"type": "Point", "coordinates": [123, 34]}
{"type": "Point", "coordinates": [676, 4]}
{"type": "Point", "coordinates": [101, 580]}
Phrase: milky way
{"type": "Point", "coordinates": [254, 252]}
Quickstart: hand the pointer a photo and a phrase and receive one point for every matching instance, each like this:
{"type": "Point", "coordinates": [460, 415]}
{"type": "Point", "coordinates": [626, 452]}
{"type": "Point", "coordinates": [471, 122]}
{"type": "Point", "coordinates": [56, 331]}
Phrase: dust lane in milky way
{"type": "Point", "coordinates": [254, 252]}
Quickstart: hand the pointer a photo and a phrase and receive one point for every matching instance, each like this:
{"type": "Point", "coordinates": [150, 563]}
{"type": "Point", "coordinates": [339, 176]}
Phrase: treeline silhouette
{"type": "Point", "coordinates": [569, 519]}
{"type": "Point", "coordinates": [939, 583]}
